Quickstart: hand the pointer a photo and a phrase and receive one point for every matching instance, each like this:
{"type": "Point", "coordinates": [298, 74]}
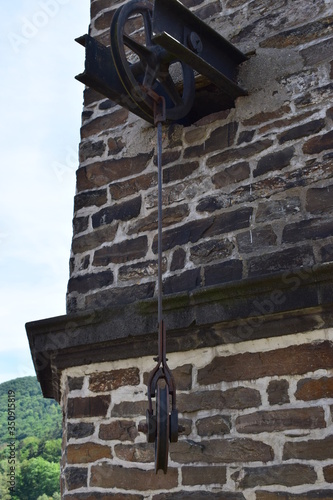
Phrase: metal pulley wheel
{"type": "Point", "coordinates": [143, 66]}
{"type": "Point", "coordinates": [162, 428]}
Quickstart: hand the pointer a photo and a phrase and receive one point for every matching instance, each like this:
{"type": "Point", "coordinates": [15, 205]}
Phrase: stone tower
{"type": "Point", "coordinates": [248, 263]}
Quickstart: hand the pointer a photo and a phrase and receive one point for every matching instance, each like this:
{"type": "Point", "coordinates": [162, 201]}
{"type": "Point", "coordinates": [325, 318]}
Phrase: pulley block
{"type": "Point", "coordinates": [157, 47]}
{"type": "Point", "coordinates": [161, 427]}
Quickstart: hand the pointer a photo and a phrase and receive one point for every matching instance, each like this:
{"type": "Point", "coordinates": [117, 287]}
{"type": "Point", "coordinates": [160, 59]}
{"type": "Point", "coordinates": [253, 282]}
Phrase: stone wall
{"type": "Point", "coordinates": [248, 252]}
{"type": "Point", "coordinates": [247, 191]}
{"type": "Point", "coordinates": [257, 419]}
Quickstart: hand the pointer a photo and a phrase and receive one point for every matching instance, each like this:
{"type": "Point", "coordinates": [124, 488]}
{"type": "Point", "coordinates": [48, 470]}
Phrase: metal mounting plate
{"type": "Point", "coordinates": [217, 58]}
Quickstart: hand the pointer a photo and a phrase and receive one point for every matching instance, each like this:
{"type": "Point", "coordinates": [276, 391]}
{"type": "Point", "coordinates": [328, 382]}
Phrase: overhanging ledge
{"type": "Point", "coordinates": [271, 306]}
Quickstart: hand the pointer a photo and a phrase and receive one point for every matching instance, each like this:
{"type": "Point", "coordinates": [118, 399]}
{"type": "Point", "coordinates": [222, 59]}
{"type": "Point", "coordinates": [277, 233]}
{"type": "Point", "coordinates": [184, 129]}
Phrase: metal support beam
{"type": "Point", "coordinates": [182, 33]}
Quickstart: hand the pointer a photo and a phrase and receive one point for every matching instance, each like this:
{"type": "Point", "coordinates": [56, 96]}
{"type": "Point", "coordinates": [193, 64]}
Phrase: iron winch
{"type": "Point", "coordinates": [155, 52]}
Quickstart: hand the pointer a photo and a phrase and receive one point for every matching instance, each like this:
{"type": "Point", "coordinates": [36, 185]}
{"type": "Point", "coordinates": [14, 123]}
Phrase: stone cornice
{"type": "Point", "coordinates": [245, 310]}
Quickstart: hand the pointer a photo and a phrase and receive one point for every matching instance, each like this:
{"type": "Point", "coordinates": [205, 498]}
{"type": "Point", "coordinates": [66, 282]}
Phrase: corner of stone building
{"type": "Point", "coordinates": [248, 283]}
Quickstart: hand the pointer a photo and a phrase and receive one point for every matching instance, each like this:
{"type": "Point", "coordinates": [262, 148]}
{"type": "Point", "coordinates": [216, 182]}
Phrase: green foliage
{"type": "Point", "coordinates": [29, 448]}
{"type": "Point", "coordinates": [36, 477]}
{"type": "Point", "coordinates": [56, 496]}
{"type": "Point", "coordinates": [37, 442]}
{"type": "Point", "coordinates": [35, 416]}
{"type": "Point", "coordinates": [51, 450]}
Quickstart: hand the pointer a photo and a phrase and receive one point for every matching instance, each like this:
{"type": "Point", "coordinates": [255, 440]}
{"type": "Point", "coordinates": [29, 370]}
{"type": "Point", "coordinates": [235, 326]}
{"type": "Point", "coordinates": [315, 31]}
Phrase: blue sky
{"type": "Point", "coordinates": [40, 105]}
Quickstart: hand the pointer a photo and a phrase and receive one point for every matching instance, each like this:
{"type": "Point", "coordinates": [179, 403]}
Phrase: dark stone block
{"type": "Point", "coordinates": [94, 239]}
{"type": "Point", "coordinates": [258, 239]}
{"type": "Point", "coordinates": [203, 475]}
{"type": "Point", "coordinates": [80, 224]}
{"type": "Point", "coordinates": [120, 211]}
{"type": "Point", "coordinates": [318, 53]}
{"type": "Point", "coordinates": [80, 430]}
{"type": "Point", "coordinates": [106, 104]}
{"type": "Point", "coordinates": [318, 144]}
{"type": "Point", "coordinates": [189, 232]}
{"type": "Point", "coordinates": [221, 138]}
{"type": "Point", "coordinates": [132, 186]}
{"type": "Point", "coordinates": [311, 449]}
{"type": "Point", "coordinates": [75, 383]}
{"type": "Point", "coordinates": [217, 425]}
{"type": "Point", "coordinates": [230, 221]}
{"type": "Point", "coordinates": [278, 392]}
{"type": "Point", "coordinates": [168, 157]}
{"type": "Point", "coordinates": [96, 495]}
{"type": "Point", "coordinates": [236, 173]}
{"type": "Point", "coordinates": [195, 230]}
{"type": "Point", "coordinates": [76, 477]}
{"type": "Point", "coordinates": [170, 216]}
{"type": "Point", "coordinates": [90, 149]}
{"type": "Point", "coordinates": [194, 151]}
{"type": "Point", "coordinates": [119, 430]}
{"type": "Point", "coordinates": [301, 35]}
{"type": "Point", "coordinates": [88, 407]}
{"type": "Point", "coordinates": [123, 295]}
{"type": "Point", "coordinates": [233, 450]}
{"type": "Point", "coordinates": [208, 10]}
{"type": "Point", "coordinates": [274, 161]}
{"type": "Point", "coordinates": [199, 495]}
{"type": "Point", "coordinates": [277, 209]}
{"type": "Point", "coordinates": [179, 171]}
{"type": "Point", "coordinates": [211, 250]}
{"type": "Point", "coordinates": [312, 229]}
{"type": "Point", "coordinates": [115, 145]}
{"type": "Point", "coordinates": [239, 153]}
{"type": "Point", "coordinates": [326, 253]}
{"type": "Point", "coordinates": [294, 360]}
{"type": "Point", "coordinates": [281, 420]}
{"type": "Point", "coordinates": [292, 258]}
{"type": "Point", "coordinates": [283, 495]}
{"type": "Point", "coordinates": [224, 272]}
{"type": "Point", "coordinates": [245, 136]}
{"type": "Point", "coordinates": [121, 252]}
{"type": "Point", "coordinates": [210, 204]}
{"type": "Point", "coordinates": [284, 474]}
{"type": "Point", "coordinates": [139, 270]}
{"type": "Point", "coordinates": [102, 173]}
{"type": "Point", "coordinates": [295, 133]}
{"type": "Point", "coordinates": [188, 280]}
{"type": "Point", "coordinates": [178, 260]}
{"type": "Point", "coordinates": [90, 281]}
{"type": "Point", "coordinates": [319, 200]}
{"type": "Point", "coordinates": [90, 198]}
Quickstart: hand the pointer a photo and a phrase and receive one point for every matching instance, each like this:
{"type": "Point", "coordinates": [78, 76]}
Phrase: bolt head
{"type": "Point", "coordinates": [194, 42]}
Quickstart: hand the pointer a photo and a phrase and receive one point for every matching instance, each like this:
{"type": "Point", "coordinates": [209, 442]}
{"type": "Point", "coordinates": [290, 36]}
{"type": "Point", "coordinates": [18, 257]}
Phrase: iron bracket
{"type": "Point", "coordinates": [182, 33]}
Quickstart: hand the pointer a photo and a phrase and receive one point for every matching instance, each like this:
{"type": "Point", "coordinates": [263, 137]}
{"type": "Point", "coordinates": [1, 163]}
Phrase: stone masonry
{"type": "Point", "coordinates": [257, 419]}
{"type": "Point", "coordinates": [248, 277]}
{"type": "Point", "coordinates": [247, 191]}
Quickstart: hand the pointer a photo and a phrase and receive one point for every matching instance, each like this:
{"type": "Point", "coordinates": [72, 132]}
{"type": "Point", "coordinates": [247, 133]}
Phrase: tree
{"type": "Point", "coordinates": [51, 450]}
{"type": "Point", "coordinates": [29, 448]}
{"type": "Point", "coordinates": [37, 477]}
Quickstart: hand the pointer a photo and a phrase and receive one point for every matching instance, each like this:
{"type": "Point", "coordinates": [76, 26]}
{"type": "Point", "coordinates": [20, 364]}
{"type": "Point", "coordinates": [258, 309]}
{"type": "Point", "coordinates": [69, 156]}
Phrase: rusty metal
{"type": "Point", "coordinates": [161, 427]}
{"type": "Point", "coordinates": [181, 32]}
{"type": "Point", "coordinates": [161, 56]}
{"type": "Point", "coordinates": [152, 66]}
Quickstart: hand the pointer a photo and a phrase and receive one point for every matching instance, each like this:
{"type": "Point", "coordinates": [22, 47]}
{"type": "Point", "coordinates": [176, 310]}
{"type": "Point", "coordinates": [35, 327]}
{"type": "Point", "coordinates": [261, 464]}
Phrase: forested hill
{"type": "Point", "coordinates": [34, 415]}
{"type": "Point", "coordinates": [30, 442]}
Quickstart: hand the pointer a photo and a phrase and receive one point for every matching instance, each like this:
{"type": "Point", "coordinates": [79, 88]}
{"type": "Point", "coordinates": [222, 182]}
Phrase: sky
{"type": "Point", "coordinates": [40, 106]}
